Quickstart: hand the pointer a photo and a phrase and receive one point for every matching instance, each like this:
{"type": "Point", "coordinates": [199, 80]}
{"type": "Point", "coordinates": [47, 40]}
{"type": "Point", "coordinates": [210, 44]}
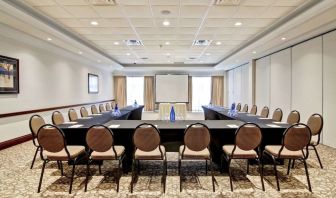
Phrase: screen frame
{"type": "Point", "coordinates": [96, 77]}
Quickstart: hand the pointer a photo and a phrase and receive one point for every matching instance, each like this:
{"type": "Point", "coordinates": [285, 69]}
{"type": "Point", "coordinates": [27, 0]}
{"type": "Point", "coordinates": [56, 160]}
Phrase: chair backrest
{"type": "Point", "coordinates": [197, 137]}
{"type": "Point", "coordinates": [113, 104]}
{"type": "Point", "coordinates": [99, 138]}
{"type": "Point", "coordinates": [238, 107]}
{"type": "Point", "coordinates": [254, 110]}
{"type": "Point", "coordinates": [245, 108]}
{"type": "Point", "coordinates": [51, 138]}
{"type": "Point", "coordinates": [264, 112]}
{"type": "Point", "coordinates": [57, 118]}
{"type": "Point", "coordinates": [35, 122]}
{"type": "Point", "coordinates": [84, 112]}
{"type": "Point", "coordinates": [296, 137]}
{"type": "Point", "coordinates": [94, 109]}
{"type": "Point", "coordinates": [101, 108]}
{"type": "Point", "coordinates": [293, 117]}
{"type": "Point", "coordinates": [72, 115]}
{"type": "Point", "coordinates": [248, 136]}
{"type": "Point", "coordinates": [315, 123]}
{"type": "Point", "coordinates": [108, 107]}
{"type": "Point", "coordinates": [146, 137]}
{"type": "Point", "coordinates": [277, 115]}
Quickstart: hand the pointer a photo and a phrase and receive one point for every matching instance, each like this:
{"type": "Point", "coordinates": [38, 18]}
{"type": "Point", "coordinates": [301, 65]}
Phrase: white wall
{"type": "Point", "coordinates": [46, 80]}
{"type": "Point", "coordinates": [262, 83]}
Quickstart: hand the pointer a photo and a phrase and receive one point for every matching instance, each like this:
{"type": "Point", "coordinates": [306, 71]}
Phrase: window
{"type": "Point", "coordinates": [135, 90]}
{"type": "Point", "coordinates": [201, 92]}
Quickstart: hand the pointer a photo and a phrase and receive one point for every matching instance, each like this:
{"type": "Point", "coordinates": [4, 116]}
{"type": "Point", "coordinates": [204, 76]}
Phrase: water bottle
{"type": "Point", "coordinates": [135, 103]}
{"type": "Point", "coordinates": [116, 110]}
{"type": "Point", "coordinates": [172, 114]}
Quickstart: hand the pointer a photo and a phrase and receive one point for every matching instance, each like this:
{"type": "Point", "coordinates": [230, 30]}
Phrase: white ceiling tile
{"type": "Point", "coordinates": [276, 12]}
{"type": "Point", "coordinates": [55, 11]}
{"type": "Point", "coordinates": [164, 2]}
{"type": "Point", "coordinates": [133, 2]}
{"type": "Point", "coordinates": [222, 11]}
{"type": "Point", "coordinates": [256, 2]}
{"type": "Point", "coordinates": [81, 11]}
{"type": "Point", "coordinates": [142, 22]}
{"type": "Point", "coordinates": [138, 11]}
{"type": "Point", "coordinates": [196, 2]}
{"type": "Point", "coordinates": [108, 11]}
{"type": "Point", "coordinates": [289, 2]}
{"type": "Point", "coordinates": [174, 11]}
{"type": "Point", "coordinates": [71, 2]}
{"type": "Point", "coordinates": [71, 22]}
{"type": "Point", "coordinates": [185, 22]}
{"type": "Point", "coordinates": [173, 22]}
{"type": "Point", "coordinates": [40, 3]}
{"type": "Point", "coordinates": [193, 11]}
{"type": "Point", "coordinates": [250, 12]}
{"type": "Point", "coordinates": [187, 30]}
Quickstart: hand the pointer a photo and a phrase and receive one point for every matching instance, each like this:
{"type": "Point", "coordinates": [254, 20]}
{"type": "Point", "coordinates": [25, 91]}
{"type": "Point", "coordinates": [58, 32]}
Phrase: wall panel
{"type": "Point", "coordinates": [262, 95]}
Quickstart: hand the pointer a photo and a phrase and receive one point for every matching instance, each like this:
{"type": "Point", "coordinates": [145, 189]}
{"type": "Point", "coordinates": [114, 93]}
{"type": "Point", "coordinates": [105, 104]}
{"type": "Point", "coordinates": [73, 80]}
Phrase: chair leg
{"type": "Point", "coordinates": [307, 174]}
{"type": "Point", "coordinates": [261, 171]}
{"type": "Point", "coordinates": [247, 166]}
{"type": "Point", "coordinates": [36, 151]}
{"type": "Point", "coordinates": [293, 163]}
{"type": "Point", "coordinates": [119, 175]}
{"type": "Point", "coordinates": [164, 175]}
{"type": "Point", "coordinates": [180, 174]}
{"type": "Point", "coordinates": [276, 174]}
{"type": "Point", "coordinates": [72, 176]}
{"type": "Point", "coordinates": [138, 169]}
{"type": "Point", "coordinates": [132, 180]}
{"type": "Point", "coordinates": [61, 165]}
{"type": "Point", "coordinates": [288, 168]}
{"type": "Point", "coordinates": [41, 177]}
{"type": "Point", "coordinates": [206, 167]}
{"type": "Point", "coordinates": [318, 157]}
{"type": "Point", "coordinates": [212, 176]}
{"type": "Point", "coordinates": [230, 175]}
{"type": "Point", "coordinates": [179, 166]}
{"type": "Point", "coordinates": [87, 175]}
{"type": "Point", "coordinates": [99, 166]}
{"type": "Point", "coordinates": [221, 164]}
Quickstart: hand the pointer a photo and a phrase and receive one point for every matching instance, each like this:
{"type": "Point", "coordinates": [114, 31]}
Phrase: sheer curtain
{"type": "Point", "coordinates": [201, 92]}
{"type": "Point", "coordinates": [135, 90]}
{"type": "Point", "coordinates": [189, 105]}
{"type": "Point", "coordinates": [120, 90]}
{"type": "Point", "coordinates": [149, 93]}
{"type": "Point", "coordinates": [217, 90]}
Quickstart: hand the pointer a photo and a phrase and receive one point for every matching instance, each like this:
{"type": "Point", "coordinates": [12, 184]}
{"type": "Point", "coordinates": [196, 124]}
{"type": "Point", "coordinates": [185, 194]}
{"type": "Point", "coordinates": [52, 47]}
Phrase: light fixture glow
{"type": "Point", "coordinates": [218, 43]}
{"type": "Point", "coordinates": [167, 43]}
{"type": "Point", "coordinates": [167, 54]}
{"type": "Point", "coordinates": [238, 23]}
{"type": "Point", "coordinates": [166, 23]}
{"type": "Point", "coordinates": [80, 52]}
{"type": "Point", "coordinates": [208, 54]}
{"type": "Point", "coordinates": [116, 43]}
{"type": "Point", "coordinates": [49, 39]}
{"type": "Point", "coordinates": [94, 23]}
{"type": "Point", "coordinates": [128, 54]}
{"type": "Point", "coordinates": [254, 52]}
{"type": "Point", "coordinates": [283, 38]}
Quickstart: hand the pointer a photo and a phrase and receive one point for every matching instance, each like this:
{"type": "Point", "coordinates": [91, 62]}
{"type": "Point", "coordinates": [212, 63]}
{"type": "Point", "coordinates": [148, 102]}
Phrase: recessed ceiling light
{"type": "Point", "coordinates": [94, 23]}
{"type": "Point", "coordinates": [283, 38]}
{"type": "Point", "coordinates": [166, 23]}
{"type": "Point", "coordinates": [167, 43]}
{"type": "Point", "coordinates": [116, 43]}
{"type": "Point", "coordinates": [168, 54]}
{"type": "Point", "coordinates": [218, 43]}
{"type": "Point", "coordinates": [80, 52]}
{"type": "Point", "coordinates": [208, 54]}
{"type": "Point", "coordinates": [128, 54]}
{"type": "Point", "coordinates": [238, 23]}
{"type": "Point", "coordinates": [254, 52]}
{"type": "Point", "coordinates": [49, 39]}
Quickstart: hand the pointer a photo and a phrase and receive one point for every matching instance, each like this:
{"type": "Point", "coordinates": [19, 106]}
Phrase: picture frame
{"type": "Point", "coordinates": [9, 75]}
{"type": "Point", "coordinates": [93, 83]}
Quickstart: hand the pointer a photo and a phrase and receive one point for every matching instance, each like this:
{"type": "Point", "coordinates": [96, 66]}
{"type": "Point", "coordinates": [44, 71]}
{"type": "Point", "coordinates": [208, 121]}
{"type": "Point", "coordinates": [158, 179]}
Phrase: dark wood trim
{"type": "Point", "coordinates": [49, 109]}
{"type": "Point", "coordinates": [15, 141]}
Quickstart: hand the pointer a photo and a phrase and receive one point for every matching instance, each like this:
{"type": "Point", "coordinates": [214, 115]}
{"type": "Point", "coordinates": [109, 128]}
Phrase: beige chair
{"type": "Point", "coordinates": [72, 115]}
{"type": "Point", "coordinates": [264, 112]}
{"type": "Point", "coordinates": [57, 118]}
{"type": "Point", "coordinates": [295, 140]}
{"type": "Point", "coordinates": [108, 107]}
{"type": "Point", "coordinates": [238, 107]}
{"type": "Point", "coordinates": [196, 147]}
{"type": "Point", "coordinates": [101, 108]}
{"type": "Point", "coordinates": [84, 113]}
{"type": "Point", "coordinates": [245, 108]}
{"type": "Point", "coordinates": [94, 109]}
{"type": "Point", "coordinates": [253, 110]}
{"type": "Point", "coordinates": [247, 141]}
{"type": "Point", "coordinates": [277, 115]}
{"type": "Point", "coordinates": [54, 148]}
{"type": "Point", "coordinates": [293, 117]}
{"type": "Point", "coordinates": [100, 141]}
{"type": "Point", "coordinates": [35, 122]}
{"type": "Point", "coordinates": [315, 123]}
{"type": "Point", "coordinates": [147, 146]}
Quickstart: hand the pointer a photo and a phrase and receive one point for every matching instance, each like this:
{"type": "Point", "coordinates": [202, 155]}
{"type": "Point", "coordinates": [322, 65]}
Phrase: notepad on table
{"type": "Point", "coordinates": [98, 114]}
{"type": "Point", "coordinates": [86, 118]}
{"type": "Point", "coordinates": [75, 126]}
{"type": "Point", "coordinates": [273, 125]}
{"type": "Point", "coordinates": [280, 122]}
{"type": "Point", "coordinates": [70, 123]}
{"type": "Point", "coordinates": [114, 126]}
{"type": "Point", "coordinates": [232, 125]}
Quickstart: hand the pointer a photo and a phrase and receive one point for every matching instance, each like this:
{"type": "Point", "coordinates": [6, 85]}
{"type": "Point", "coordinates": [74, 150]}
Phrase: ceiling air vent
{"type": "Point", "coordinates": [102, 2]}
{"type": "Point", "coordinates": [227, 2]}
{"type": "Point", "coordinates": [133, 42]}
{"type": "Point", "coordinates": [201, 42]}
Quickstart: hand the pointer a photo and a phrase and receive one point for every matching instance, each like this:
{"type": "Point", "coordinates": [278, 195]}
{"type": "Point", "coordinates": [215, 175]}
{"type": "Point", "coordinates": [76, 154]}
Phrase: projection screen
{"type": "Point", "coordinates": [171, 88]}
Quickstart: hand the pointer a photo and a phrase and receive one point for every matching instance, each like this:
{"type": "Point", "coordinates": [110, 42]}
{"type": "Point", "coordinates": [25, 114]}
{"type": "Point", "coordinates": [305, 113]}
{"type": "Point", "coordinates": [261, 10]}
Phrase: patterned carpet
{"type": "Point", "coordinates": [17, 180]}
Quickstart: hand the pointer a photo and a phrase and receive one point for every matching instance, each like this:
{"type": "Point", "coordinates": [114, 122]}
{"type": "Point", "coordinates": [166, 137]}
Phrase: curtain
{"type": "Point", "coordinates": [189, 105]}
{"type": "Point", "coordinates": [217, 90]}
{"type": "Point", "coordinates": [149, 93]}
{"type": "Point", "coordinates": [120, 90]}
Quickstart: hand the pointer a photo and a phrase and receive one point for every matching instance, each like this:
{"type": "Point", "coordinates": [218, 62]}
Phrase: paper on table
{"type": "Point", "coordinates": [265, 118]}
{"type": "Point", "coordinates": [70, 123]}
{"type": "Point", "coordinates": [280, 122]}
{"type": "Point", "coordinates": [232, 126]}
{"type": "Point", "coordinates": [251, 115]}
{"type": "Point", "coordinates": [114, 126]}
{"type": "Point", "coordinates": [86, 118]}
{"type": "Point", "coordinates": [273, 125]}
{"type": "Point", "coordinates": [98, 114]}
{"type": "Point", "coordinates": [75, 126]}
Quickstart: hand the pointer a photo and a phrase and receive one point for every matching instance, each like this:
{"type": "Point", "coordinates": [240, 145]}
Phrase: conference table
{"type": "Point", "coordinates": [222, 129]}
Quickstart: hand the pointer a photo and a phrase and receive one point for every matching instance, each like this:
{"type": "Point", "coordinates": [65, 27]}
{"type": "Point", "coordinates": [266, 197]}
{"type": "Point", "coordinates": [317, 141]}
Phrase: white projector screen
{"type": "Point", "coordinates": [171, 88]}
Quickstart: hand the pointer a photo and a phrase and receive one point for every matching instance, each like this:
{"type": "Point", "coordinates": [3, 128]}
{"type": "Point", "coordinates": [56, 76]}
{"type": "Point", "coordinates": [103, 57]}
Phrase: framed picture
{"type": "Point", "coordinates": [93, 83]}
{"type": "Point", "coordinates": [9, 75]}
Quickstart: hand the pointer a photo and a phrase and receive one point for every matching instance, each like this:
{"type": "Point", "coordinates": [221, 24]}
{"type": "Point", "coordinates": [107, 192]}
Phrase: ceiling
{"type": "Point", "coordinates": [189, 20]}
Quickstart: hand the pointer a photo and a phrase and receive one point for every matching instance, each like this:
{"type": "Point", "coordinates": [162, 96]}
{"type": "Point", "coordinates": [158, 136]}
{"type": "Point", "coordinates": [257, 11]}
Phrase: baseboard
{"type": "Point", "coordinates": [15, 141]}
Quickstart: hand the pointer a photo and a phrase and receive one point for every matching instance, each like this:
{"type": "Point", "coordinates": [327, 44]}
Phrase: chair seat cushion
{"type": "Point", "coordinates": [285, 153]}
{"type": "Point", "coordinates": [313, 143]}
{"type": "Point", "coordinates": [190, 154]}
{"type": "Point", "coordinates": [74, 152]}
{"type": "Point", "coordinates": [239, 153]}
{"type": "Point", "coordinates": [108, 155]}
{"type": "Point", "coordinates": [151, 155]}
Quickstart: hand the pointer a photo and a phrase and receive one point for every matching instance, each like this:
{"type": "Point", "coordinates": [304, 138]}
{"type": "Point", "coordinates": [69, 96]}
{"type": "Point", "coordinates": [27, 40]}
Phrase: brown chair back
{"type": "Point", "coordinates": [84, 112]}
{"type": "Point", "coordinates": [101, 108]}
{"type": "Point", "coordinates": [35, 122]}
{"type": "Point", "coordinates": [238, 107]}
{"type": "Point", "coordinates": [72, 115]}
{"type": "Point", "coordinates": [293, 117]}
{"type": "Point", "coordinates": [248, 136]}
{"type": "Point", "coordinates": [254, 110]}
{"type": "Point", "coordinates": [315, 123]}
{"type": "Point", "coordinates": [57, 118]}
{"type": "Point", "coordinates": [108, 107]}
{"type": "Point", "coordinates": [94, 109]}
{"type": "Point", "coordinates": [99, 138]}
{"type": "Point", "coordinates": [146, 137]}
{"type": "Point", "coordinates": [264, 112]}
{"type": "Point", "coordinates": [197, 137]}
{"type": "Point", "coordinates": [296, 137]}
{"type": "Point", "coordinates": [277, 115]}
{"type": "Point", "coordinates": [51, 138]}
{"type": "Point", "coordinates": [245, 108]}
